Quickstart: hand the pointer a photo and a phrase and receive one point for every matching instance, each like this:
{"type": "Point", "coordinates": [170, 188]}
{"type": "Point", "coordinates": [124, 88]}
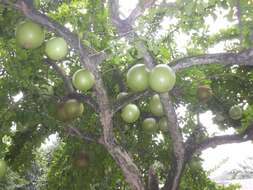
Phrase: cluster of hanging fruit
{"type": "Point", "coordinates": [139, 78]}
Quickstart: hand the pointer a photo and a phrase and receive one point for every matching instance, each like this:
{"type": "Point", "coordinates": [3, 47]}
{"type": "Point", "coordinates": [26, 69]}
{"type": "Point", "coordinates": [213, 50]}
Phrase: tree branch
{"type": "Point", "coordinates": [119, 104]}
{"type": "Point", "coordinates": [66, 79]}
{"type": "Point", "coordinates": [247, 135]}
{"type": "Point", "coordinates": [178, 144]}
{"type": "Point", "coordinates": [242, 58]}
{"type": "Point", "coordinates": [139, 10]}
{"type": "Point", "coordinates": [73, 131]}
{"type": "Point", "coordinates": [153, 182]}
{"type": "Point", "coordinates": [85, 98]}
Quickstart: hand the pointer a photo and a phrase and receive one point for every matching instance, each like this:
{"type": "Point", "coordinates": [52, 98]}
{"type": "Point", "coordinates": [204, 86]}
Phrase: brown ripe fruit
{"type": "Point", "coordinates": [204, 93]}
{"type": "Point", "coordinates": [81, 160]}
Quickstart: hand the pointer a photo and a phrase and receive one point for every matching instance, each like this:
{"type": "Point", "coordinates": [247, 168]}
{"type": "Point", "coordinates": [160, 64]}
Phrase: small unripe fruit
{"type": "Point", "coordinates": [56, 48]}
{"type": "Point", "coordinates": [163, 124]}
{"type": "Point", "coordinates": [156, 106]}
{"type": "Point", "coordinates": [83, 80]}
{"type": "Point", "coordinates": [121, 95]}
{"type": "Point", "coordinates": [130, 113]}
{"type": "Point", "coordinates": [29, 35]}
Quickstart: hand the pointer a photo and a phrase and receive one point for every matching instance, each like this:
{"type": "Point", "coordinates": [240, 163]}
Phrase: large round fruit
{"type": "Point", "coordinates": [137, 78]}
{"type": "Point", "coordinates": [204, 93]}
{"type": "Point", "coordinates": [149, 125]}
{"type": "Point", "coordinates": [30, 35]}
{"type": "Point", "coordinates": [163, 124]}
{"type": "Point", "coordinates": [162, 78]}
{"type": "Point", "coordinates": [56, 48]}
{"type": "Point", "coordinates": [156, 106]}
{"type": "Point", "coordinates": [3, 168]}
{"type": "Point", "coordinates": [73, 108]}
{"type": "Point", "coordinates": [83, 80]}
{"type": "Point", "coordinates": [121, 95]}
{"type": "Point", "coordinates": [235, 112]}
{"type": "Point", "coordinates": [130, 113]}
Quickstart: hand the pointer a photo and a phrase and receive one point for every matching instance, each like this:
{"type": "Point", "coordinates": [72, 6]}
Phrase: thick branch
{"type": "Point", "coordinates": [225, 139]}
{"type": "Point", "coordinates": [242, 58]}
{"type": "Point", "coordinates": [178, 144]}
{"type": "Point", "coordinates": [153, 182]}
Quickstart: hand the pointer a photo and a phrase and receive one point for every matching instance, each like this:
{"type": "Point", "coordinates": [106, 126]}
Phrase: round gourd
{"type": "Point", "coordinates": [130, 113]}
{"type": "Point", "coordinates": [56, 48]}
{"type": "Point", "coordinates": [29, 35]}
{"type": "Point", "coordinates": [137, 78]}
{"type": "Point", "coordinates": [162, 78]}
{"type": "Point", "coordinates": [83, 80]}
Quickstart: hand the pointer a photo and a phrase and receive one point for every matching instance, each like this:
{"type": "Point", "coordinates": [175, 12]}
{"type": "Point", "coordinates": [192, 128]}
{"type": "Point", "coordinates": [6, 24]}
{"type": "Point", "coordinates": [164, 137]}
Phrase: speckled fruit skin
{"type": "Point", "coordinates": [130, 113]}
{"type": "Point", "coordinates": [235, 112]}
{"type": "Point", "coordinates": [162, 78]}
{"type": "Point", "coordinates": [137, 78]}
{"type": "Point", "coordinates": [121, 95]}
{"type": "Point", "coordinates": [56, 48]}
{"type": "Point", "coordinates": [83, 80]}
{"type": "Point", "coordinates": [3, 168]}
{"type": "Point", "coordinates": [149, 125]}
{"type": "Point", "coordinates": [29, 35]}
{"type": "Point", "coordinates": [156, 106]}
{"type": "Point", "coordinates": [163, 124]}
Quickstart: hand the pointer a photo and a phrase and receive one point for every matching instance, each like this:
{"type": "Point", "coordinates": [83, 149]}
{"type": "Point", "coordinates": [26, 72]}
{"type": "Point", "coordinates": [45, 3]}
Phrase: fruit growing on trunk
{"type": "Point", "coordinates": [235, 112]}
{"type": "Point", "coordinates": [83, 80]}
{"type": "Point", "coordinates": [3, 168]}
{"type": "Point", "coordinates": [29, 35]}
{"type": "Point", "coordinates": [156, 106]}
{"type": "Point", "coordinates": [56, 48]}
{"type": "Point", "coordinates": [130, 113]}
{"type": "Point", "coordinates": [162, 78]}
{"type": "Point", "coordinates": [137, 78]}
{"type": "Point", "coordinates": [204, 93]}
{"type": "Point", "coordinates": [149, 125]}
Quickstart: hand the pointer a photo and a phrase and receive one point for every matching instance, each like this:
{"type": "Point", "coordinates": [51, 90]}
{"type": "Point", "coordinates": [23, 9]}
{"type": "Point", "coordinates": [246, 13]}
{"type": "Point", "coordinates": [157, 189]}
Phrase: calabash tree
{"type": "Point", "coordinates": [103, 143]}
